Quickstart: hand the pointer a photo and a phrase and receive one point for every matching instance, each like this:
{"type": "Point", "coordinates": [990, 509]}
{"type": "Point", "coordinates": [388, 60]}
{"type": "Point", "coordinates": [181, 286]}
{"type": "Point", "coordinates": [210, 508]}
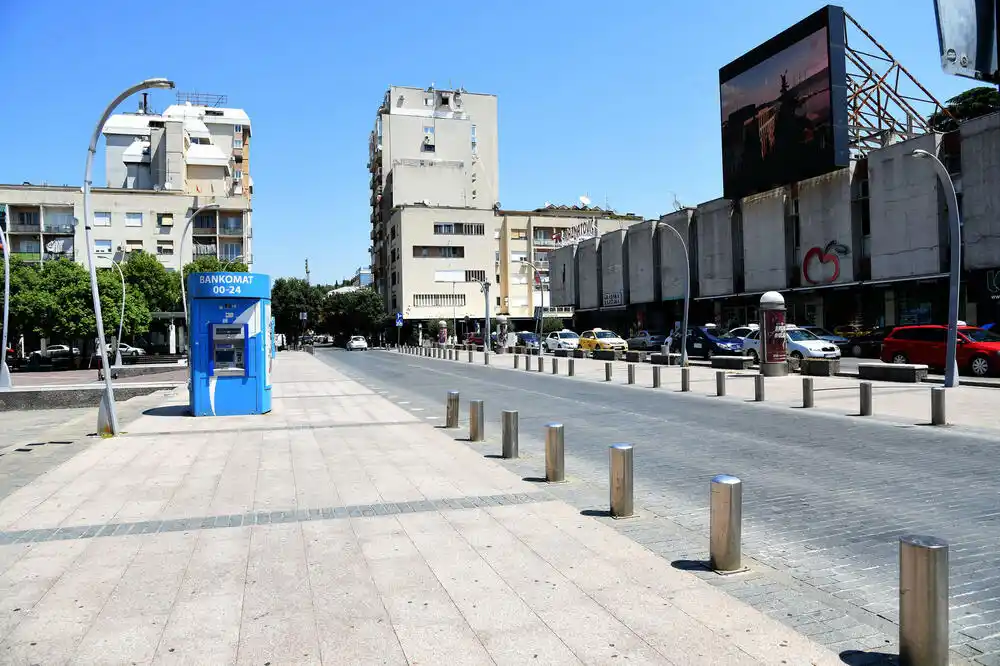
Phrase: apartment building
{"type": "Point", "coordinates": [159, 168]}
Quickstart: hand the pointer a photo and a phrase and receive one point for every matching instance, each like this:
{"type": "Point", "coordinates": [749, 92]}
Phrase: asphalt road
{"type": "Point", "coordinates": [825, 498]}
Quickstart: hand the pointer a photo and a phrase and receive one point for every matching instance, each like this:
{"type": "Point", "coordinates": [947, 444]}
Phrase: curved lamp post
{"type": "Point", "coordinates": [107, 418]}
{"type": "Point", "coordinates": [541, 290]}
{"type": "Point", "coordinates": [687, 295]}
{"type": "Point", "coordinates": [121, 318]}
{"type": "Point", "coordinates": [951, 362]}
{"type": "Point", "coordinates": [232, 261]}
{"type": "Point", "coordinates": [5, 382]}
{"type": "Point", "coordinates": [180, 259]}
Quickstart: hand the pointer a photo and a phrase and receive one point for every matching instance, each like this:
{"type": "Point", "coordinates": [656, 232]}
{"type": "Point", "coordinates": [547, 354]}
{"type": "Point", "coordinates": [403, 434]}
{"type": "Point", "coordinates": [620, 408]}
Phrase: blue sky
{"type": "Point", "coordinates": [619, 101]}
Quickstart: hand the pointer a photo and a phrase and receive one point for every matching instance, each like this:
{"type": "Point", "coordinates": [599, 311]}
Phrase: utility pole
{"type": "Point", "coordinates": [307, 272]}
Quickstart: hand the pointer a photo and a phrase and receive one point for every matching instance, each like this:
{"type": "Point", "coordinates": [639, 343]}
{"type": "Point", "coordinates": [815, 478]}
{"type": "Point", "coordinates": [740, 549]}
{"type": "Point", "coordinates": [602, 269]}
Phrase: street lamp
{"type": "Point", "coordinates": [484, 285]}
{"type": "Point", "coordinates": [107, 418]}
{"type": "Point", "coordinates": [951, 362]}
{"type": "Point", "coordinates": [180, 260]}
{"type": "Point", "coordinates": [232, 261]}
{"type": "Point", "coordinates": [687, 295]}
{"type": "Point", "coordinates": [121, 318]}
{"type": "Point", "coordinates": [5, 381]}
{"type": "Point", "coordinates": [541, 286]}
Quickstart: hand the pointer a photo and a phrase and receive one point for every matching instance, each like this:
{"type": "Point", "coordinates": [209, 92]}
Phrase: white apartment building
{"type": "Point", "coordinates": [159, 169]}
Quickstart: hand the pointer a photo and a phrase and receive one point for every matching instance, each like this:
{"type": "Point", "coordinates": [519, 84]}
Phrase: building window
{"type": "Point", "coordinates": [133, 219]}
{"type": "Point", "coordinates": [205, 221]}
{"type": "Point", "coordinates": [475, 276]}
{"type": "Point", "coordinates": [238, 175]}
{"type": "Point", "coordinates": [237, 142]}
{"type": "Point", "coordinates": [427, 147]}
{"type": "Point", "coordinates": [519, 234]}
{"type": "Point", "coordinates": [460, 229]}
{"type": "Point", "coordinates": [392, 279]}
{"type": "Point", "coordinates": [438, 252]}
{"type": "Point", "coordinates": [473, 136]}
{"type": "Point", "coordinates": [133, 246]}
{"type": "Point", "coordinates": [164, 248]}
{"type": "Point", "coordinates": [428, 100]}
{"type": "Point", "coordinates": [444, 229]}
{"type": "Point", "coordinates": [238, 130]}
{"type": "Point", "coordinates": [165, 220]}
{"type": "Point", "coordinates": [429, 131]}
{"type": "Point", "coordinates": [102, 246]}
{"type": "Point", "coordinates": [439, 300]}
{"type": "Point", "coordinates": [102, 219]}
{"type": "Point", "coordinates": [28, 218]}
{"type": "Point", "coordinates": [231, 251]}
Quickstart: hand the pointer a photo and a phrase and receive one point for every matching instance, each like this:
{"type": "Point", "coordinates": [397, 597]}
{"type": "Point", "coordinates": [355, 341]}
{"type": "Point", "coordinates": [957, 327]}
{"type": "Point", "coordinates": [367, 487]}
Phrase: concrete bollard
{"type": "Point", "coordinates": [470, 356]}
{"type": "Point", "coordinates": [720, 383]}
{"type": "Point", "coordinates": [541, 364]}
{"type": "Point", "coordinates": [572, 367]}
{"type": "Point", "coordinates": [685, 379]}
{"type": "Point", "coordinates": [866, 398]}
{"type": "Point", "coordinates": [607, 371]}
{"type": "Point", "coordinates": [656, 376]}
{"type": "Point", "coordinates": [486, 357]}
{"type": "Point", "coordinates": [758, 388]}
{"type": "Point", "coordinates": [527, 362]}
{"type": "Point", "coordinates": [938, 413]}
{"type": "Point", "coordinates": [807, 392]}
{"type": "Point", "coordinates": [477, 421]}
{"type": "Point", "coordinates": [631, 373]}
{"type": "Point", "coordinates": [555, 366]}
{"type": "Point", "coordinates": [621, 481]}
{"type": "Point", "coordinates": [726, 523]}
{"type": "Point", "coordinates": [555, 453]}
{"type": "Point", "coordinates": [451, 410]}
{"type": "Point", "coordinates": [508, 435]}
{"type": "Point", "coordinates": [923, 601]}
{"type": "Point", "coordinates": [517, 361]}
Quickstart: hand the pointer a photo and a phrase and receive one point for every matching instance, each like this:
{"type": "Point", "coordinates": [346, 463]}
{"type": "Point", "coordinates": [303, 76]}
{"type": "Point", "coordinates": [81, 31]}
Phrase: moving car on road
{"type": "Point", "coordinates": [800, 344]}
{"type": "Point", "coordinates": [978, 349]}
{"type": "Point", "coordinates": [867, 344]}
{"type": "Point", "coordinates": [564, 339]}
{"type": "Point", "coordinates": [647, 340]}
{"type": "Point", "coordinates": [599, 338]}
{"type": "Point", "coordinates": [357, 342]}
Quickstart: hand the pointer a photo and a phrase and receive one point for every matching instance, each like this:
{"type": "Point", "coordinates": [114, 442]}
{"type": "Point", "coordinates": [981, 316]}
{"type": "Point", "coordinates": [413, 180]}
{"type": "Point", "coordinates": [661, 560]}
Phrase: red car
{"type": "Point", "coordinates": [978, 349]}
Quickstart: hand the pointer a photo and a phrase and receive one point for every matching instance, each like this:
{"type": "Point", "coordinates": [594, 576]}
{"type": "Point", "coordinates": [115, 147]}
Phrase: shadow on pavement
{"type": "Point", "coordinates": [535, 479]}
{"type": "Point", "coordinates": [596, 513]}
{"type": "Point", "coordinates": [168, 410]}
{"type": "Point", "coordinates": [690, 565]}
{"type": "Point", "coordinates": [860, 658]}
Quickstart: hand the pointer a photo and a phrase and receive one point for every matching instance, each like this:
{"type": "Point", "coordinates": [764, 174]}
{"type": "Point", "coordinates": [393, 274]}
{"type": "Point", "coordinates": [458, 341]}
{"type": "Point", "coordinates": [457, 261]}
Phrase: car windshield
{"type": "Point", "coordinates": [980, 335]}
{"type": "Point", "coordinates": [568, 335]}
{"type": "Point", "coordinates": [820, 331]}
{"type": "Point", "coordinates": [530, 337]}
{"type": "Point", "coordinates": [605, 334]}
{"type": "Point", "coordinates": [800, 335]}
{"type": "Point", "coordinates": [356, 338]}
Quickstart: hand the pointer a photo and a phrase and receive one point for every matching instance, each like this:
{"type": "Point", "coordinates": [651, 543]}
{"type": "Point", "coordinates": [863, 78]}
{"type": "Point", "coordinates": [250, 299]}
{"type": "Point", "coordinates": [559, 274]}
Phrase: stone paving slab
{"type": "Point", "coordinates": [352, 544]}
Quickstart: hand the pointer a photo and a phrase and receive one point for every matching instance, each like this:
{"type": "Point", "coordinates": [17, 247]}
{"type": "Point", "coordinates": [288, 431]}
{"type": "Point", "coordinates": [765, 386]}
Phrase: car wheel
{"type": "Point", "coordinates": [796, 355]}
{"type": "Point", "coordinates": [980, 366]}
{"type": "Point", "coordinates": [899, 358]}
{"type": "Point", "coordinates": [753, 354]}
{"type": "Point", "coordinates": [856, 350]}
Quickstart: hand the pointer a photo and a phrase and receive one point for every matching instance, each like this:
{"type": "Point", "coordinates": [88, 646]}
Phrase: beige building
{"type": "Point", "coordinates": [159, 168]}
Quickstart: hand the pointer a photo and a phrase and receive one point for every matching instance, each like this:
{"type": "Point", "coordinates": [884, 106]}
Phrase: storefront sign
{"type": "Point", "coordinates": [993, 284]}
{"type": "Point", "coordinates": [577, 233]}
{"type": "Point", "coordinates": [821, 265]}
{"type": "Point", "coordinates": [613, 299]}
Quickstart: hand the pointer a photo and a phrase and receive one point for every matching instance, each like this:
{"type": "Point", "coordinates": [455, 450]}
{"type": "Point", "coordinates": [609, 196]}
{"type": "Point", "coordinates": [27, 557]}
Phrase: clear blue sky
{"type": "Point", "coordinates": [615, 100]}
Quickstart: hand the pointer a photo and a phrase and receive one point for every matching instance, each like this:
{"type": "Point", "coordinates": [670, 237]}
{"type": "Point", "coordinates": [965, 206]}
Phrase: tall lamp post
{"type": "Point", "coordinates": [687, 295]}
{"type": "Point", "coordinates": [180, 260]}
{"type": "Point", "coordinates": [107, 418]}
{"type": "Point", "coordinates": [541, 287]}
{"type": "Point", "coordinates": [5, 381]}
{"type": "Point", "coordinates": [121, 318]}
{"type": "Point", "coordinates": [484, 285]}
{"type": "Point", "coordinates": [954, 282]}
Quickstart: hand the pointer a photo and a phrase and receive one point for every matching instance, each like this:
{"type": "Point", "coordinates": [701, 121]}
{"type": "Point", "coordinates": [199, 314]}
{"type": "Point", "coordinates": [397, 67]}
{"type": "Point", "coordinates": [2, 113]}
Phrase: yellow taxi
{"type": "Point", "coordinates": [599, 338]}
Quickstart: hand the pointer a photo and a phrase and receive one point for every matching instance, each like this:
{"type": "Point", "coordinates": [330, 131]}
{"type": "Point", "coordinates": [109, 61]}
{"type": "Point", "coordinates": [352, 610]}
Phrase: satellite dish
{"type": "Point", "coordinates": [585, 200]}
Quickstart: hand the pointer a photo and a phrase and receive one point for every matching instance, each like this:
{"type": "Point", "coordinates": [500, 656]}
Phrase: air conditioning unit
{"type": "Point", "coordinates": [428, 140]}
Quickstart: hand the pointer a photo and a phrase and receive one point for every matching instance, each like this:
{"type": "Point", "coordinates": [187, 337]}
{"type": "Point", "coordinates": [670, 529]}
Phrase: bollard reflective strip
{"type": "Point", "coordinates": [726, 523]}
{"type": "Point", "coordinates": [508, 420]}
{"type": "Point", "coordinates": [451, 410]}
{"type": "Point", "coordinates": [621, 480]}
{"type": "Point", "coordinates": [720, 383]}
{"type": "Point", "coordinates": [476, 421]}
{"type": "Point", "coordinates": [938, 413]}
{"type": "Point", "coordinates": [555, 453]}
{"type": "Point", "coordinates": [758, 388]}
{"type": "Point", "coordinates": [923, 601]}
{"type": "Point", "coordinates": [807, 392]}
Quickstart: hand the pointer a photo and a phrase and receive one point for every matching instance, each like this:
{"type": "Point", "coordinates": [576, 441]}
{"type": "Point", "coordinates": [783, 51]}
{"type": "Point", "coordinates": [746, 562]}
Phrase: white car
{"type": "Point", "coordinates": [357, 342]}
{"type": "Point", "coordinates": [129, 350]}
{"type": "Point", "coordinates": [564, 339]}
{"type": "Point", "coordinates": [800, 344]}
{"type": "Point", "coordinates": [742, 332]}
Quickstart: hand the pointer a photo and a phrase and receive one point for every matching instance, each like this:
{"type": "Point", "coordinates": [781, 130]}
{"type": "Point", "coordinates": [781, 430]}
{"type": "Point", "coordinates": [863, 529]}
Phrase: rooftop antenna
{"type": "Point", "coordinates": [677, 202]}
{"type": "Point", "coordinates": [307, 271]}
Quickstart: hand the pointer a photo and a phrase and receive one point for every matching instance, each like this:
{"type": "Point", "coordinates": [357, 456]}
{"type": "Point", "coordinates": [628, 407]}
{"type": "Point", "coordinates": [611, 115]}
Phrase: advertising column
{"type": "Point", "coordinates": [773, 352]}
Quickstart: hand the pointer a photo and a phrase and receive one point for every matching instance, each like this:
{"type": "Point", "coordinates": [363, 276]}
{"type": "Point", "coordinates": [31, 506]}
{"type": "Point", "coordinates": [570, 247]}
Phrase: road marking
{"type": "Point", "coordinates": [404, 402]}
{"type": "Point", "coordinates": [416, 409]}
{"type": "Point", "coordinates": [432, 418]}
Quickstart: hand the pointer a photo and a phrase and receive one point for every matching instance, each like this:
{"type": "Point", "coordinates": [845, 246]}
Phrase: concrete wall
{"type": "Point", "coordinates": [673, 269]}
{"type": "Point", "coordinates": [614, 269]}
{"type": "Point", "coordinates": [588, 265]}
{"type": "Point", "coordinates": [905, 210]}
{"type": "Point", "coordinates": [115, 169]}
{"type": "Point", "coordinates": [715, 248]}
{"type": "Point", "coordinates": [562, 276]}
{"type": "Point", "coordinates": [207, 180]}
{"type": "Point", "coordinates": [825, 217]}
{"type": "Point", "coordinates": [980, 191]}
{"type": "Point", "coordinates": [764, 262]}
{"type": "Point", "coordinates": [643, 262]}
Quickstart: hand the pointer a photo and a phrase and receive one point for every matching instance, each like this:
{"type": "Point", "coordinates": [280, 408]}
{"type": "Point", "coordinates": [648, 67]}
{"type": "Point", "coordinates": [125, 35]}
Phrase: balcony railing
{"type": "Point", "coordinates": [204, 250]}
{"type": "Point", "coordinates": [203, 231]}
{"type": "Point", "coordinates": [24, 228]}
{"type": "Point", "coordinates": [59, 229]}
{"type": "Point", "coordinates": [231, 230]}
{"type": "Point", "coordinates": [56, 256]}
{"type": "Point", "coordinates": [543, 242]}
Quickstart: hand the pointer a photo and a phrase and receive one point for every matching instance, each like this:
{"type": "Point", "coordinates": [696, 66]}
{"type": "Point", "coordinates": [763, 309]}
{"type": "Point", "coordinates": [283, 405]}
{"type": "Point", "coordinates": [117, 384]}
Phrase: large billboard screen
{"type": "Point", "coordinates": [784, 107]}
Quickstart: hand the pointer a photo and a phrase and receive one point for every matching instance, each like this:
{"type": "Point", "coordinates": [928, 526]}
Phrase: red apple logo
{"type": "Point", "coordinates": [814, 264]}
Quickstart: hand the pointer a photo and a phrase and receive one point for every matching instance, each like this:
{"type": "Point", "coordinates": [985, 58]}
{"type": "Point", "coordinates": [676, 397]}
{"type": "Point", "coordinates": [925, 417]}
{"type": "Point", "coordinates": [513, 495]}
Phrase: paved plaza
{"type": "Point", "coordinates": [342, 528]}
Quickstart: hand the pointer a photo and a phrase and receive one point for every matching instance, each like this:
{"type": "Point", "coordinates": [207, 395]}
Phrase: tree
{"type": "Point", "coordinates": [289, 298]}
{"type": "Point", "coordinates": [210, 264]}
{"type": "Point", "coordinates": [966, 106]}
{"type": "Point", "coordinates": [137, 316]}
{"type": "Point", "coordinates": [550, 324]}
{"type": "Point", "coordinates": [357, 312]}
{"type": "Point", "coordinates": [160, 287]}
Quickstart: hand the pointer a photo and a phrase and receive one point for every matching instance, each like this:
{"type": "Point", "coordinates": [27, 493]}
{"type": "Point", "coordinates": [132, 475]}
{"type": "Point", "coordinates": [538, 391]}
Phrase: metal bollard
{"type": "Point", "coordinates": [807, 392]}
{"type": "Point", "coordinates": [631, 373]}
{"type": "Point", "coordinates": [527, 362]}
{"type": "Point", "coordinates": [621, 480]}
{"type": "Point", "coordinates": [517, 361]}
{"type": "Point", "coordinates": [720, 383]}
{"type": "Point", "coordinates": [477, 421]}
{"type": "Point", "coordinates": [451, 410]}
{"type": "Point", "coordinates": [656, 376]}
{"type": "Point", "coordinates": [572, 367]}
{"type": "Point", "coordinates": [866, 398]}
{"type": "Point", "coordinates": [555, 453]}
{"type": "Point", "coordinates": [685, 379]}
{"type": "Point", "coordinates": [470, 356]}
{"type": "Point", "coordinates": [758, 388]}
{"type": "Point", "coordinates": [555, 366]}
{"type": "Point", "coordinates": [541, 364]}
{"type": "Point", "coordinates": [725, 523]}
{"type": "Point", "coordinates": [938, 414]}
{"type": "Point", "coordinates": [508, 420]}
{"type": "Point", "coordinates": [486, 357]}
{"type": "Point", "coordinates": [923, 601]}
{"type": "Point", "coordinates": [607, 371]}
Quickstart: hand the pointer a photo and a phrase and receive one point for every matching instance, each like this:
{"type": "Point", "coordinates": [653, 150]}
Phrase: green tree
{"type": "Point", "coordinates": [357, 312]}
{"type": "Point", "coordinates": [137, 316]}
{"type": "Point", "coordinates": [159, 287]}
{"type": "Point", "coordinates": [210, 264]}
{"type": "Point", "coordinates": [550, 324]}
{"type": "Point", "coordinates": [966, 106]}
{"type": "Point", "coordinates": [289, 297]}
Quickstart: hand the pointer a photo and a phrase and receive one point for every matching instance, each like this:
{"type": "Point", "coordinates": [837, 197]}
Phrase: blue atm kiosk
{"type": "Point", "coordinates": [231, 342]}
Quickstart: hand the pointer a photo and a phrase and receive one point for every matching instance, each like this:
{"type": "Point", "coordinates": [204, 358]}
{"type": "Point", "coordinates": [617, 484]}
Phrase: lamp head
{"type": "Point", "coordinates": [159, 83]}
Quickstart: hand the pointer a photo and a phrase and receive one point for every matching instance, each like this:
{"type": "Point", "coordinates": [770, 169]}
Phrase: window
{"type": "Point", "coordinates": [392, 233]}
{"type": "Point", "coordinates": [164, 247]}
{"type": "Point", "coordinates": [518, 234]}
{"type": "Point", "coordinates": [866, 219]}
{"type": "Point", "coordinates": [428, 100]}
{"type": "Point", "coordinates": [429, 131]}
{"type": "Point", "coordinates": [444, 229]}
{"type": "Point", "coordinates": [438, 252]}
{"type": "Point", "coordinates": [231, 251]}
{"type": "Point", "coordinates": [460, 229]}
{"type": "Point", "coordinates": [473, 138]}
{"type": "Point", "coordinates": [28, 218]}
{"type": "Point", "coordinates": [165, 220]}
{"type": "Point", "coordinates": [102, 219]}
{"type": "Point", "coordinates": [133, 246]}
{"type": "Point", "coordinates": [475, 276]}
{"type": "Point", "coordinates": [205, 221]}
{"type": "Point", "coordinates": [102, 246]}
{"type": "Point", "coordinates": [427, 147]}
{"type": "Point", "coordinates": [238, 175]}
{"type": "Point", "coordinates": [133, 219]}
{"type": "Point", "coordinates": [237, 142]}
{"type": "Point", "coordinates": [439, 300]}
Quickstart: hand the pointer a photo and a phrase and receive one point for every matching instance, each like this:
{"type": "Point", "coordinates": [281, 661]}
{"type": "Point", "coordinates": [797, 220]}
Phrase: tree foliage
{"type": "Point", "coordinates": [160, 287]}
{"type": "Point", "coordinates": [966, 106]}
{"type": "Point", "coordinates": [210, 264]}
{"type": "Point", "coordinates": [291, 296]}
{"type": "Point", "coordinates": [550, 324]}
{"type": "Point", "coordinates": [357, 312]}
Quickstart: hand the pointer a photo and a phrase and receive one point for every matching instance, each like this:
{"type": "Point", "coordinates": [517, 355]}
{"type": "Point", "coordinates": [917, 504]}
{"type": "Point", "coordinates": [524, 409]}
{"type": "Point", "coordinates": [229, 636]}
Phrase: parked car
{"type": "Point", "coordinates": [978, 349]}
{"type": "Point", "coordinates": [599, 338]}
{"type": "Point", "coordinates": [708, 341]}
{"type": "Point", "coordinates": [799, 342]}
{"type": "Point", "coordinates": [527, 339]}
{"type": "Point", "coordinates": [741, 332]}
{"type": "Point", "coordinates": [824, 334]}
{"type": "Point", "coordinates": [357, 343]}
{"type": "Point", "coordinates": [564, 339]}
{"type": "Point", "coordinates": [129, 350]}
{"type": "Point", "coordinates": [647, 340]}
{"type": "Point", "coordinates": [868, 344]}
{"type": "Point", "coordinates": [56, 351]}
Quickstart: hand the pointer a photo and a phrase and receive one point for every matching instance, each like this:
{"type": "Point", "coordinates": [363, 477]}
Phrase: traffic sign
{"type": "Point", "coordinates": [399, 319]}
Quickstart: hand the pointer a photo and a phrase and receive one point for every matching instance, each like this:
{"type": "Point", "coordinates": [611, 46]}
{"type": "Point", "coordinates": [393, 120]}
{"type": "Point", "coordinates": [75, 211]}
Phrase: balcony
{"type": "Point", "coordinates": [15, 228]}
{"type": "Point", "coordinates": [56, 256]}
{"type": "Point", "coordinates": [202, 230]}
{"type": "Point", "coordinates": [204, 250]}
{"type": "Point", "coordinates": [231, 230]}
{"type": "Point", "coordinates": [543, 242]}
{"type": "Point", "coordinates": [65, 229]}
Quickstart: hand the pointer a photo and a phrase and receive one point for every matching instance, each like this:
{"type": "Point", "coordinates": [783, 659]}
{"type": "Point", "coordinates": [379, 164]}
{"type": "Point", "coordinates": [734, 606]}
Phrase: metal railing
{"type": "Point", "coordinates": [231, 230]}
{"type": "Point", "coordinates": [59, 229]}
